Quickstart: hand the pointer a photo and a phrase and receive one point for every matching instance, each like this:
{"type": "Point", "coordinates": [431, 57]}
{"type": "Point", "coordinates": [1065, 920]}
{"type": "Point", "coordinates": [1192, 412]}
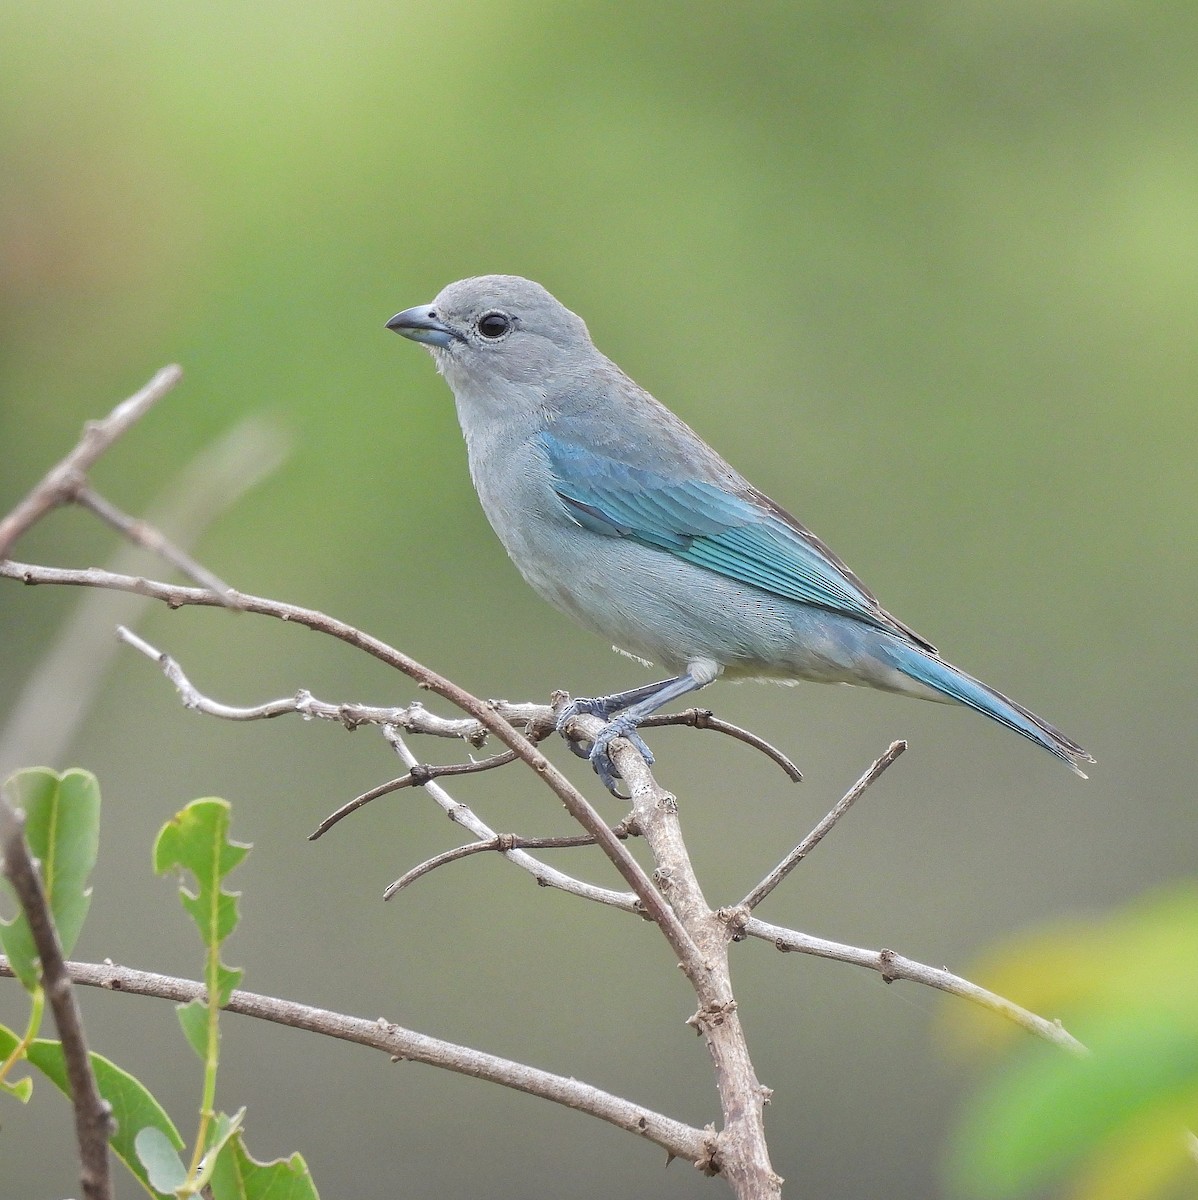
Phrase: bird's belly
{"type": "Point", "coordinates": [672, 612]}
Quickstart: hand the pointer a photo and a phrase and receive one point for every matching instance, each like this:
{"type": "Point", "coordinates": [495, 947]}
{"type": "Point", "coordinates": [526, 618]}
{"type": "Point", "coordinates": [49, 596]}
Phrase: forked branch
{"type": "Point", "coordinates": [698, 935]}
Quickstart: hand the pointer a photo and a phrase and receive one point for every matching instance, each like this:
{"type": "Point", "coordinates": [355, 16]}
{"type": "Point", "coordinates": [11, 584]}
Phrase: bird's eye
{"type": "Point", "coordinates": [494, 325]}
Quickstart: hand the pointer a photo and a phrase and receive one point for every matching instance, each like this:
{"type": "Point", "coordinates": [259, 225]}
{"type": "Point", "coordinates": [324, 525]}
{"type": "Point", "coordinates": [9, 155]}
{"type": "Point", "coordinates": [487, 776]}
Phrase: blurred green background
{"type": "Point", "coordinates": [926, 272]}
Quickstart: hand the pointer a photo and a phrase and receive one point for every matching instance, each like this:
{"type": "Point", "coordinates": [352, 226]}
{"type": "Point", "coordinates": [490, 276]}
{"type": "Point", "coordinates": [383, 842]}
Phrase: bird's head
{"type": "Point", "coordinates": [494, 329]}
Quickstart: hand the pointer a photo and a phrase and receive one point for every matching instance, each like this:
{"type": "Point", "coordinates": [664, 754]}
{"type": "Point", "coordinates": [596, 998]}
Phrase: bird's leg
{"type": "Point", "coordinates": [606, 707]}
{"type": "Point", "coordinates": [633, 707]}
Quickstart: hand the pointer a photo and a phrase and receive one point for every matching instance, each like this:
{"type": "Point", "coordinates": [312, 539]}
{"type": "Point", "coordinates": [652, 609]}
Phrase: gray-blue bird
{"type": "Point", "coordinates": [620, 515]}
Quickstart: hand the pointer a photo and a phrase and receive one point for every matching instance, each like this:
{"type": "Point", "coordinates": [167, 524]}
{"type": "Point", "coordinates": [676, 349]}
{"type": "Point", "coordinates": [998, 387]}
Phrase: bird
{"type": "Point", "coordinates": [617, 513]}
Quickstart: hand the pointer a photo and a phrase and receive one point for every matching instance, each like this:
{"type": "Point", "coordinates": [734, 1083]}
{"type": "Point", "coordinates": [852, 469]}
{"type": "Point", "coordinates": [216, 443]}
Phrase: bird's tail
{"type": "Point", "coordinates": [956, 685]}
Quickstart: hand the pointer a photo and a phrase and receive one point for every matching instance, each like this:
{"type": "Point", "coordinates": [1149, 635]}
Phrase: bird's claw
{"type": "Point", "coordinates": [578, 708]}
{"type": "Point", "coordinates": [599, 753]}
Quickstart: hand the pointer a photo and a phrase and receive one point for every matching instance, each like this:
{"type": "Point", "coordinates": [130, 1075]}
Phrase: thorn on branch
{"type": "Point", "coordinates": [709, 1163]}
{"type": "Point", "coordinates": [383, 789]}
{"type": "Point", "coordinates": [711, 1016]}
{"type": "Point", "coordinates": [735, 917]}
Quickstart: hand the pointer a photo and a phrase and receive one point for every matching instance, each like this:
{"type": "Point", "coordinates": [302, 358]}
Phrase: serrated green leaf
{"type": "Point", "coordinates": [62, 828]}
{"type": "Point", "coordinates": [196, 839]}
{"type": "Point", "coordinates": [193, 1017]}
{"type": "Point", "coordinates": [133, 1106]}
{"type": "Point", "coordinates": [160, 1161]}
{"type": "Point", "coordinates": [215, 913]}
{"type": "Point", "coordinates": [223, 1128]}
{"type": "Point", "coordinates": [237, 1176]}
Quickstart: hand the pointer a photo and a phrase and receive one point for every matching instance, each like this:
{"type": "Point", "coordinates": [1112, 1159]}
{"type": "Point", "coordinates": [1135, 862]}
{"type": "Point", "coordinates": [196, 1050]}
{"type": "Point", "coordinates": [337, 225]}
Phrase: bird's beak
{"type": "Point", "coordinates": [422, 324]}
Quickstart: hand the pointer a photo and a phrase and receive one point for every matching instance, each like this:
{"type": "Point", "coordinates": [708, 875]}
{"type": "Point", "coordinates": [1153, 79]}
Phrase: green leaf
{"type": "Point", "coordinates": [21, 1089]}
{"type": "Point", "coordinates": [163, 1167]}
{"type": "Point", "coordinates": [62, 828]}
{"type": "Point", "coordinates": [1047, 1110]}
{"type": "Point", "coordinates": [220, 1133]}
{"type": "Point", "coordinates": [133, 1106]}
{"type": "Point", "coordinates": [1127, 986]}
{"type": "Point", "coordinates": [237, 1176]}
{"type": "Point", "coordinates": [227, 979]}
{"type": "Point", "coordinates": [193, 1017]}
{"type": "Point", "coordinates": [197, 840]}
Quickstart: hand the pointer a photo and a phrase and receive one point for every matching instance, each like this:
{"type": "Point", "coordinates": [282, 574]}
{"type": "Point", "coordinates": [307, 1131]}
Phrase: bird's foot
{"type": "Point", "coordinates": [599, 753]}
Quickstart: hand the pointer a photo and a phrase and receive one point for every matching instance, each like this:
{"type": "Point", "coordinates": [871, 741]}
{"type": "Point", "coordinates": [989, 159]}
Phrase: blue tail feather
{"type": "Point", "coordinates": [955, 684]}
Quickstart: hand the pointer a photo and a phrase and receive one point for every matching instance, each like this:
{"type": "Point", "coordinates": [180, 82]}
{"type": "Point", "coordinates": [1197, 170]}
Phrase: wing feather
{"type": "Point", "coordinates": [745, 537]}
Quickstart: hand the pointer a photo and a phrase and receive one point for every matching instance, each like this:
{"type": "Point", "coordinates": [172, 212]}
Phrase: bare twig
{"type": "Point", "coordinates": [537, 719]}
{"type": "Point", "coordinates": [418, 776]}
{"type": "Point", "coordinates": [59, 484]}
{"type": "Point", "coordinates": [143, 534]}
{"type": "Point", "coordinates": [93, 1115]}
{"type": "Point", "coordinates": [704, 718]}
{"type": "Point", "coordinates": [813, 839]}
{"type": "Point", "coordinates": [502, 842]}
{"type": "Point", "coordinates": [892, 966]}
{"type": "Point", "coordinates": [544, 874]}
{"type": "Point", "coordinates": [413, 717]}
{"type": "Point", "coordinates": [63, 685]}
{"type": "Point", "coordinates": [677, 1139]}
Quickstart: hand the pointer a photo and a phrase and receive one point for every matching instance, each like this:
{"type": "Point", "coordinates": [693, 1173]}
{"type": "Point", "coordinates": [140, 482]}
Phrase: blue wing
{"type": "Point", "coordinates": [743, 536]}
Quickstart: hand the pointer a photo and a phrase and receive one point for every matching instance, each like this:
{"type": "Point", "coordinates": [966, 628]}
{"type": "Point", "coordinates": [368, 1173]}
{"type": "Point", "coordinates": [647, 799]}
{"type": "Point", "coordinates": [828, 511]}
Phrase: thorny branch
{"type": "Point", "coordinates": [699, 935]}
{"type": "Point", "coordinates": [93, 1115]}
{"type": "Point", "coordinates": [405, 1045]}
{"type": "Point", "coordinates": [737, 918]}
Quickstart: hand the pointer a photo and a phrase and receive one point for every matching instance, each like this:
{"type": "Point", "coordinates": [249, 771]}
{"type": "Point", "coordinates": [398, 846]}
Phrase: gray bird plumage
{"type": "Point", "coordinates": [617, 513]}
